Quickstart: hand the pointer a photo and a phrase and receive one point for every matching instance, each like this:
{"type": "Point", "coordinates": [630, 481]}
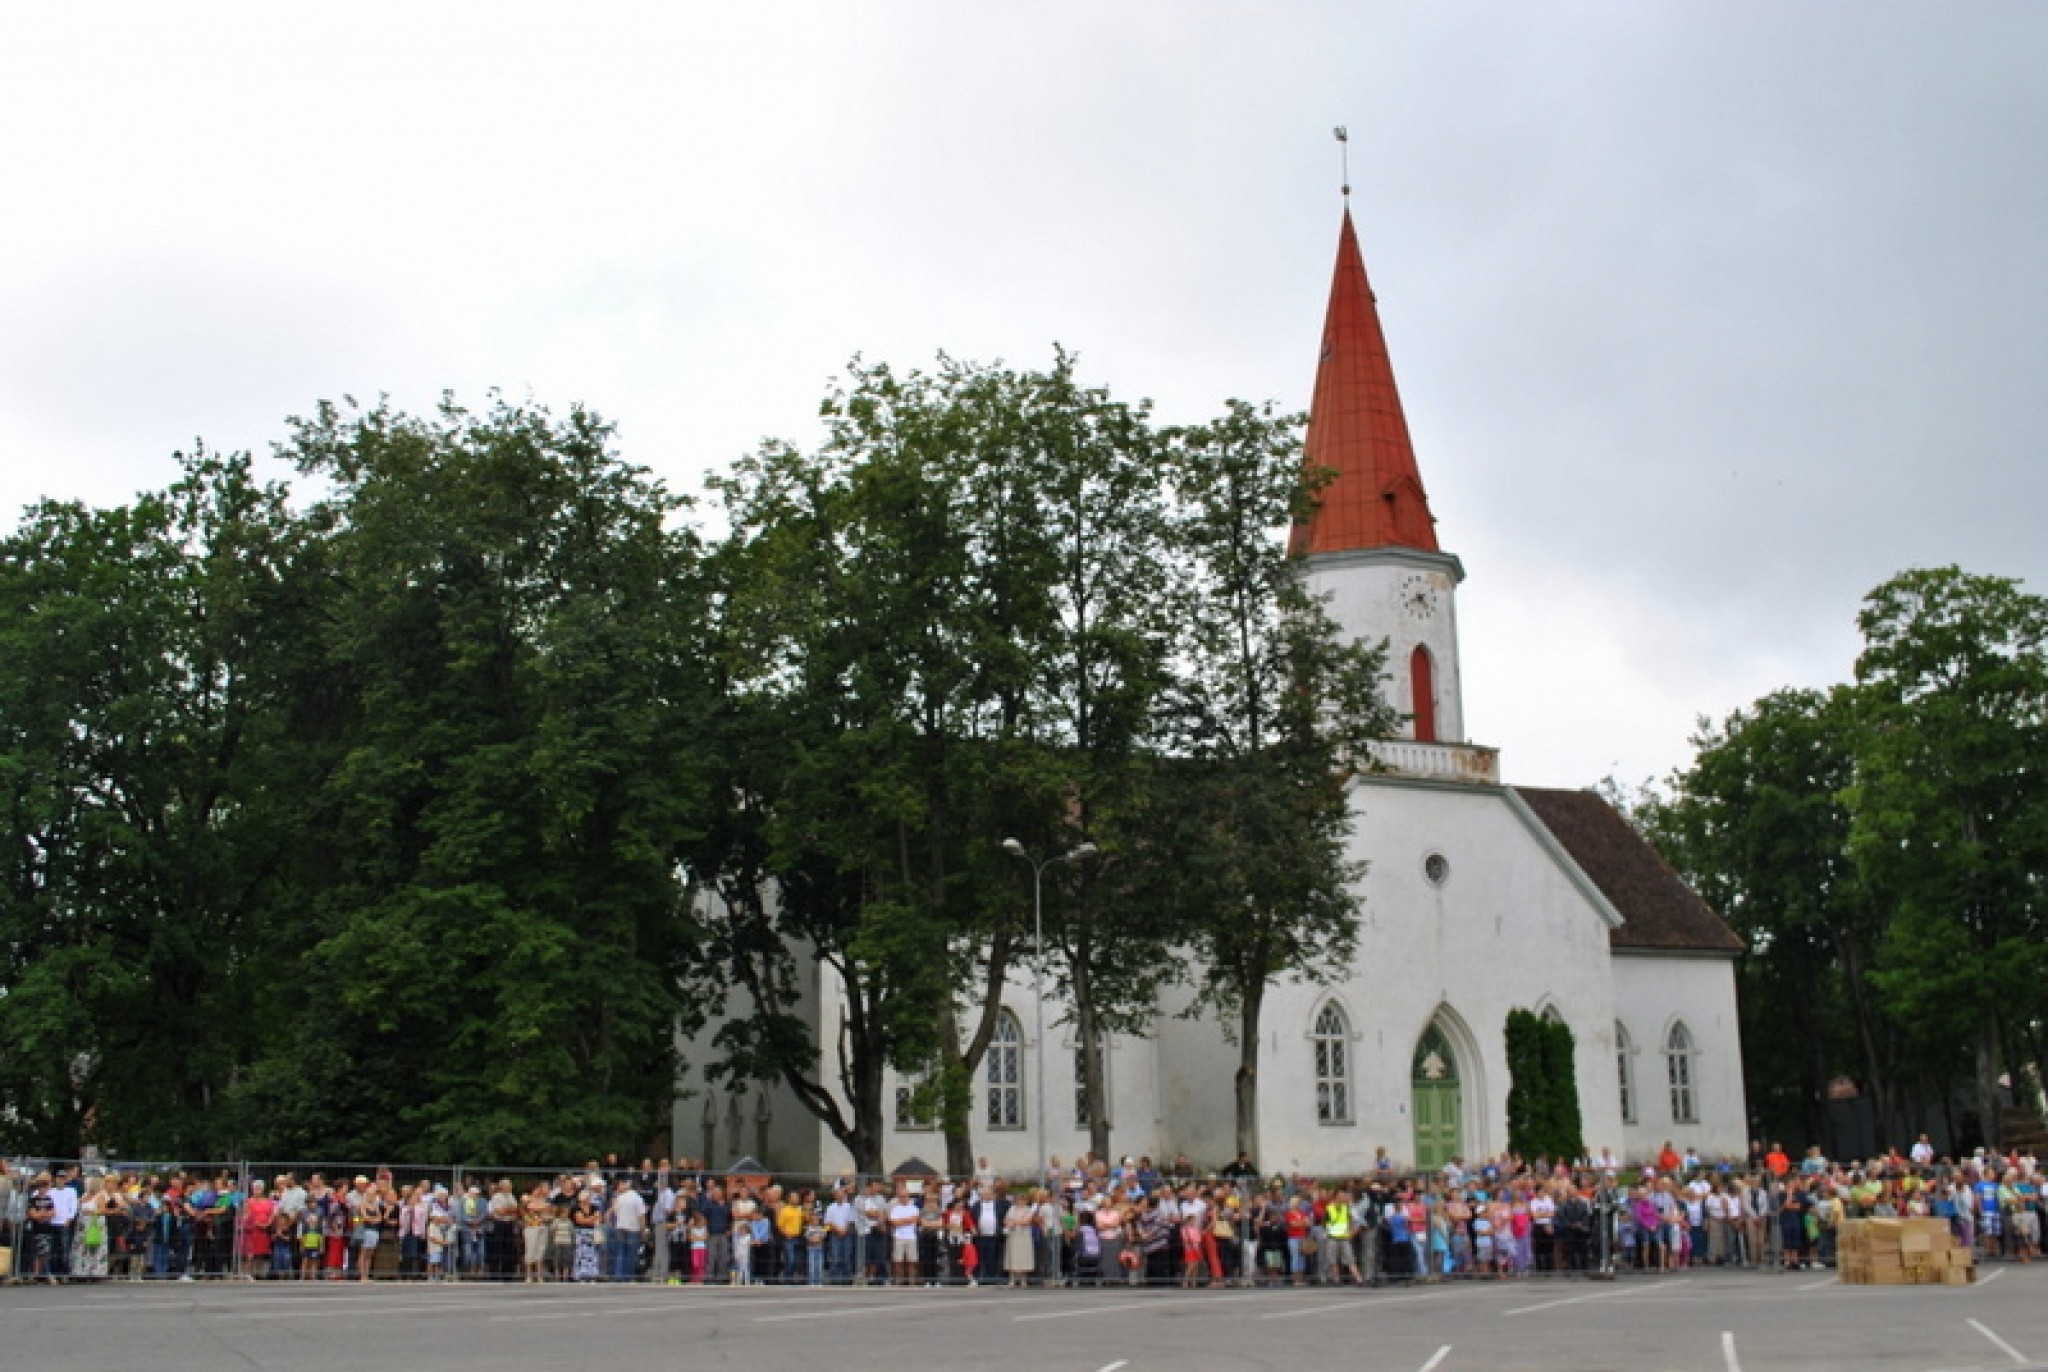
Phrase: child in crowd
{"type": "Point", "coordinates": [700, 1247]}
{"type": "Point", "coordinates": [440, 1229]}
{"type": "Point", "coordinates": [1191, 1264]}
{"type": "Point", "coordinates": [743, 1254]}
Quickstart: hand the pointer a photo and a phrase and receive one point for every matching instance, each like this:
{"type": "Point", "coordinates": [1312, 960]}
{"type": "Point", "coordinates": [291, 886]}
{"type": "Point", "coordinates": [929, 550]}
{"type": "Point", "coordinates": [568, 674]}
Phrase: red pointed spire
{"type": "Point", "coordinates": [1356, 428]}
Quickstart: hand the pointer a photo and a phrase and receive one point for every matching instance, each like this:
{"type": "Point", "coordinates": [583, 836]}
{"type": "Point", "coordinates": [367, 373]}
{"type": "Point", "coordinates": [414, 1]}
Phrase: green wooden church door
{"type": "Point", "coordinates": [1436, 1102]}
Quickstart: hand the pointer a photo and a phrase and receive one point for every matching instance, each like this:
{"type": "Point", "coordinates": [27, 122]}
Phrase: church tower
{"type": "Point", "coordinates": [1371, 544]}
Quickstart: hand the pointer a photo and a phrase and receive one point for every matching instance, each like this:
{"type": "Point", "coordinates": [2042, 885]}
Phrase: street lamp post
{"type": "Point", "coordinates": [1075, 854]}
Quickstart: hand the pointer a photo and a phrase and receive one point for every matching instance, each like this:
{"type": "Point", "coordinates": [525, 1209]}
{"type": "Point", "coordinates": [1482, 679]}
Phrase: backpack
{"type": "Point", "coordinates": [1091, 1242]}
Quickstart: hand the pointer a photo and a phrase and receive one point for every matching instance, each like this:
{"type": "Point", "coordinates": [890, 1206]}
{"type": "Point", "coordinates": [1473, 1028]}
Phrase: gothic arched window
{"type": "Point", "coordinates": [1005, 1073]}
{"type": "Point", "coordinates": [1332, 1038]}
{"type": "Point", "coordinates": [1678, 1063]}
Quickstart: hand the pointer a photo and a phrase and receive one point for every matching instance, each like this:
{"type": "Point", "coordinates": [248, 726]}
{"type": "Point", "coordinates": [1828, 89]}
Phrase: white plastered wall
{"type": "Point", "coordinates": [1408, 598]}
{"type": "Point", "coordinates": [1654, 991]}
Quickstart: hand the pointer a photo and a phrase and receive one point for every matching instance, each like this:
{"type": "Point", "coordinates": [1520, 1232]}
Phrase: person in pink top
{"type": "Point", "coordinates": [257, 1217]}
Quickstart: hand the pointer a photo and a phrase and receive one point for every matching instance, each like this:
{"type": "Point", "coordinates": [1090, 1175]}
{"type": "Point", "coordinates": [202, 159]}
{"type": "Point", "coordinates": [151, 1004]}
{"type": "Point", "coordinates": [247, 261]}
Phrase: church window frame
{"type": "Point", "coordinates": [1625, 1071]}
{"type": "Point", "coordinates": [1330, 1039]}
{"type": "Point", "coordinates": [1003, 1074]}
{"type": "Point", "coordinates": [1681, 1062]}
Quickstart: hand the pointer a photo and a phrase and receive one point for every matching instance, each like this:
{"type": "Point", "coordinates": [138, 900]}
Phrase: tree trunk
{"type": "Point", "coordinates": [1876, 1079]}
{"type": "Point", "coordinates": [1987, 1056]}
{"type": "Point", "coordinates": [1088, 1031]}
{"type": "Point", "coordinates": [955, 1118]}
{"type": "Point", "coordinates": [1247, 1082]}
{"type": "Point", "coordinates": [959, 1061]}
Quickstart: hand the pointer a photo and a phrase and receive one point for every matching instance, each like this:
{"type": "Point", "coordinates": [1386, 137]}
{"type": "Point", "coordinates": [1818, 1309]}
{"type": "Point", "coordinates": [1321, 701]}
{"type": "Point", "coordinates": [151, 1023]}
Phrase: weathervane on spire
{"type": "Point", "coordinates": [1344, 154]}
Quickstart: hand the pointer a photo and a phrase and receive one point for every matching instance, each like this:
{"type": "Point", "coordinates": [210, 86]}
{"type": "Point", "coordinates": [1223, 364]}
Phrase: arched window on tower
{"type": "Point", "coordinates": [1422, 681]}
{"type": "Point", "coordinates": [1005, 1073]}
{"type": "Point", "coordinates": [1332, 1037]}
{"type": "Point", "coordinates": [1678, 1055]}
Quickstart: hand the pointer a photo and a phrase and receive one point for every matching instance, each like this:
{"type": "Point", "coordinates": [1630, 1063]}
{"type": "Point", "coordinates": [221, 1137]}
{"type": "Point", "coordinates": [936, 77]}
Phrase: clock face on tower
{"type": "Point", "coordinates": [1418, 596]}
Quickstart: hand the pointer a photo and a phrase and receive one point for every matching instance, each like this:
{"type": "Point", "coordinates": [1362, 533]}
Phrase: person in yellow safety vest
{"type": "Point", "coordinates": [1338, 1227]}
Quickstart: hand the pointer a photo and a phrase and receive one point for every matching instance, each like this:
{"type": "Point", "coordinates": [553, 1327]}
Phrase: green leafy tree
{"type": "Point", "coordinates": [1273, 713]}
{"type": "Point", "coordinates": [1092, 525]}
{"type": "Point", "coordinates": [140, 754]}
{"type": "Point", "coordinates": [1759, 825]}
{"type": "Point", "coordinates": [1560, 1070]}
{"type": "Point", "coordinates": [870, 662]}
{"type": "Point", "coordinates": [1949, 811]}
{"type": "Point", "coordinates": [1527, 1125]}
{"type": "Point", "coordinates": [496, 930]}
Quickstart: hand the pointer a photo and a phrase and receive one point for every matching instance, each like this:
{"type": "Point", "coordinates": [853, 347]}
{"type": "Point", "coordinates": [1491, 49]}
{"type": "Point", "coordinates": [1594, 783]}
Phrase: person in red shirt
{"type": "Point", "coordinates": [1777, 1161]}
{"type": "Point", "coordinates": [256, 1220]}
{"type": "Point", "coordinates": [1668, 1160]}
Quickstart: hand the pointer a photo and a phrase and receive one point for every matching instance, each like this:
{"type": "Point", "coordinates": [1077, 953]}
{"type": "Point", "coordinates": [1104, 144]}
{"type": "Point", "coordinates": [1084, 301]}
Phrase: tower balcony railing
{"type": "Point", "coordinates": [1467, 762]}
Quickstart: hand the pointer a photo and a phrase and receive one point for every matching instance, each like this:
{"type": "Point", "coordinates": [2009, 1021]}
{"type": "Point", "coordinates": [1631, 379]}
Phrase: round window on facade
{"type": "Point", "coordinates": [1437, 868]}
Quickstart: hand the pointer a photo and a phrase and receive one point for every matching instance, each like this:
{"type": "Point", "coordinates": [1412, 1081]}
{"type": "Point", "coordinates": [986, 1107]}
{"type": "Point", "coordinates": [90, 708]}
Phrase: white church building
{"type": "Point", "coordinates": [1479, 898]}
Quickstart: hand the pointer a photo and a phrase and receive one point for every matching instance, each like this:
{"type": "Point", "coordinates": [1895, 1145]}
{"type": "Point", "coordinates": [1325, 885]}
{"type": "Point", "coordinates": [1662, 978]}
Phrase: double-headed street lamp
{"type": "Point", "coordinates": [1075, 854]}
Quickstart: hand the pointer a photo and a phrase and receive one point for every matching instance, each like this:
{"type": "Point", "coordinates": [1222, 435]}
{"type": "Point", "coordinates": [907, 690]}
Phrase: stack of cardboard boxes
{"type": "Point", "coordinates": [1912, 1252]}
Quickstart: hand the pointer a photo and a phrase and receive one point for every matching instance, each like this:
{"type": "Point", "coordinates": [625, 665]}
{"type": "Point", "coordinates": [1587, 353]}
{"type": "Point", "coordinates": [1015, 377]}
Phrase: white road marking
{"type": "Point", "coordinates": [77, 1309]}
{"type": "Point", "coordinates": [1364, 1303]}
{"type": "Point", "coordinates": [1089, 1310]}
{"type": "Point", "coordinates": [1992, 1277]}
{"type": "Point", "coordinates": [353, 1308]}
{"type": "Point", "coordinates": [1596, 1296]}
{"type": "Point", "coordinates": [1437, 1358]}
{"type": "Point", "coordinates": [1315, 1310]}
{"type": "Point", "coordinates": [1817, 1285]}
{"type": "Point", "coordinates": [838, 1312]}
{"type": "Point", "coordinates": [1728, 1351]}
{"type": "Point", "coordinates": [2007, 1348]}
{"type": "Point", "coordinates": [1120, 1362]}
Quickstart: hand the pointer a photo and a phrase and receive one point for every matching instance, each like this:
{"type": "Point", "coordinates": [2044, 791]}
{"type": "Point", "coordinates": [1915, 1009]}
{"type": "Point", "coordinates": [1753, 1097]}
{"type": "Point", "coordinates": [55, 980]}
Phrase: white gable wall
{"type": "Point", "coordinates": [1653, 992]}
{"type": "Point", "coordinates": [1508, 928]}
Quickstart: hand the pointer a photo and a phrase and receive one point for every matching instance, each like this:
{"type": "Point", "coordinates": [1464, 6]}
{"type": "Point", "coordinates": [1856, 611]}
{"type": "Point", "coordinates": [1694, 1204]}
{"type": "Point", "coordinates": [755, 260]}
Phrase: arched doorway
{"type": "Point", "coordinates": [1436, 1096]}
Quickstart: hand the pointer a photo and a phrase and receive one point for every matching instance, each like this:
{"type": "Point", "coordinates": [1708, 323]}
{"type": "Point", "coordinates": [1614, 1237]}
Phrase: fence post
{"type": "Point", "coordinates": [241, 1260]}
{"type": "Point", "coordinates": [1603, 1219]}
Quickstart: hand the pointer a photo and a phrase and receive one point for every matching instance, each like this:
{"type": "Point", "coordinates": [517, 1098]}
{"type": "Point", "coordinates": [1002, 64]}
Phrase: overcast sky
{"type": "Point", "coordinates": [1708, 317]}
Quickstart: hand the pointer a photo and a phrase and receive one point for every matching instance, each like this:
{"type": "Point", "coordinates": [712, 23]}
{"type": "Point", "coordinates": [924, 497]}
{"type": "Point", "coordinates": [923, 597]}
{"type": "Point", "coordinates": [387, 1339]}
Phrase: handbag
{"type": "Point", "coordinates": [1224, 1229]}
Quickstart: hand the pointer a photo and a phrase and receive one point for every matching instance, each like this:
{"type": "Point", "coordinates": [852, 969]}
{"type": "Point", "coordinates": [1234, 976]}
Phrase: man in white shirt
{"type": "Point", "coordinates": [839, 1237]}
{"type": "Point", "coordinates": [1923, 1152]}
{"type": "Point", "coordinates": [1722, 1209]}
{"type": "Point", "coordinates": [627, 1216]}
{"type": "Point", "coordinates": [64, 1199]}
{"type": "Point", "coordinates": [904, 1214]}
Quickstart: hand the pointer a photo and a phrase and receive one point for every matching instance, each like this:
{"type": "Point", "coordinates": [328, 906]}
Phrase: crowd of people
{"type": "Point", "coordinates": [1089, 1223]}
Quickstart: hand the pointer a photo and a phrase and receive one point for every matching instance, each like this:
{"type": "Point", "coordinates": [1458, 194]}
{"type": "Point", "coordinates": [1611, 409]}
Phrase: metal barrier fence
{"type": "Point", "coordinates": [271, 1220]}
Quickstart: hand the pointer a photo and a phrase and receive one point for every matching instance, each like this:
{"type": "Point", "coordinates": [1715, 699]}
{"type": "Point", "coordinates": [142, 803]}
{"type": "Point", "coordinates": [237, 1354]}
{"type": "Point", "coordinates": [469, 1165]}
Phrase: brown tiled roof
{"type": "Point", "coordinates": [1659, 912]}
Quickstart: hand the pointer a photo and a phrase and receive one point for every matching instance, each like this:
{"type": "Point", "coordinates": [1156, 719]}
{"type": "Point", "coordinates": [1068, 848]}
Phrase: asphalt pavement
{"type": "Point", "coordinates": [1689, 1322]}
